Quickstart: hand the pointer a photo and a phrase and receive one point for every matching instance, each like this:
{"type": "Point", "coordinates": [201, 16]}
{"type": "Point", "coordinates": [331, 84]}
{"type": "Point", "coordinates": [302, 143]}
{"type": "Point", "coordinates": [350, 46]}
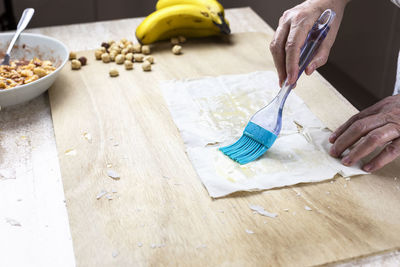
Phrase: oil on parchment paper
{"type": "Point", "coordinates": [212, 112]}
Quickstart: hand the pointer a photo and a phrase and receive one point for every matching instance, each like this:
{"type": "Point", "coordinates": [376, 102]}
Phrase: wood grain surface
{"type": "Point", "coordinates": [161, 213]}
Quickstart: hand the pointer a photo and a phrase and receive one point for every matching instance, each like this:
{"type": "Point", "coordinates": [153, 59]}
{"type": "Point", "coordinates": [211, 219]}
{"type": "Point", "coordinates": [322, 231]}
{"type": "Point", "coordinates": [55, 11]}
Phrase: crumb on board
{"type": "Point", "coordinates": [70, 152]}
{"type": "Point", "coordinates": [113, 174]}
{"type": "Point", "coordinates": [307, 208]}
{"type": "Point", "coordinates": [101, 194]}
{"type": "Point", "coordinates": [249, 231]}
{"type": "Point", "coordinates": [286, 210]}
{"type": "Point", "coordinates": [13, 222]}
{"type": "Point", "coordinates": [115, 254]}
{"type": "Point", "coordinates": [87, 136]}
{"type": "Point", "coordinates": [201, 246]}
{"type": "Point", "coordinates": [260, 210]}
{"type": "Point", "coordinates": [139, 244]}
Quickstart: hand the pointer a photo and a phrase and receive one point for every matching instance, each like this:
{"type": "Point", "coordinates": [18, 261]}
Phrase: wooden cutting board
{"type": "Point", "coordinates": [161, 213]}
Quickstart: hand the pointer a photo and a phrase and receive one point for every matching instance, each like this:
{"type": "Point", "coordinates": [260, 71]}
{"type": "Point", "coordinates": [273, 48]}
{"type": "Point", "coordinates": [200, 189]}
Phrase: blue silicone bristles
{"type": "Point", "coordinates": [254, 142]}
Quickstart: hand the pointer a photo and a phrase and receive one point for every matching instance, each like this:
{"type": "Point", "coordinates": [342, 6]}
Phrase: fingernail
{"type": "Point", "coordinates": [332, 151]}
{"type": "Point", "coordinates": [367, 168]}
{"type": "Point", "coordinates": [332, 137]}
{"type": "Point", "coordinates": [290, 78]}
{"type": "Point", "coordinates": [346, 160]}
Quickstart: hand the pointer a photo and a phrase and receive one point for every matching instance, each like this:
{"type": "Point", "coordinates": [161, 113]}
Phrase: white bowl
{"type": "Point", "coordinates": [28, 46]}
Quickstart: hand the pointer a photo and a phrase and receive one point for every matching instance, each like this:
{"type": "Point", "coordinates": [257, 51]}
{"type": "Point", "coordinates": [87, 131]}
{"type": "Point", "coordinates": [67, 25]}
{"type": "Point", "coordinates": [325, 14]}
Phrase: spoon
{"type": "Point", "coordinates": [23, 22]}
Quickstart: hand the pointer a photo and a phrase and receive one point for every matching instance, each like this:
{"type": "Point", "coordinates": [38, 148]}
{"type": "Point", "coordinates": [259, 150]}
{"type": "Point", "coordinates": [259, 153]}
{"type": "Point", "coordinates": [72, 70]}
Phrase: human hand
{"type": "Point", "coordinates": [291, 34]}
{"type": "Point", "coordinates": [376, 126]}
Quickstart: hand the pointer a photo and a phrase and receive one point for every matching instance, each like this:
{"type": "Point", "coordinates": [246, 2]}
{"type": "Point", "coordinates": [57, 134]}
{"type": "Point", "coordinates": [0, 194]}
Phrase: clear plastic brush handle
{"type": "Point", "coordinates": [314, 39]}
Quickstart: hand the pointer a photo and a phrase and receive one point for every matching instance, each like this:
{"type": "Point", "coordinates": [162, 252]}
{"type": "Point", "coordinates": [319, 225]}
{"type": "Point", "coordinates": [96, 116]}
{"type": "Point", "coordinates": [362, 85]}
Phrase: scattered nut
{"type": "Point", "coordinates": [182, 39]}
{"type": "Point", "coordinates": [119, 59]}
{"type": "Point", "coordinates": [72, 55]}
{"type": "Point", "coordinates": [137, 48]}
{"type": "Point", "coordinates": [129, 56]}
{"type": "Point", "coordinates": [83, 60]}
{"type": "Point", "coordinates": [177, 49]}
{"type": "Point", "coordinates": [98, 54]}
{"type": "Point", "coordinates": [114, 72]}
{"type": "Point", "coordinates": [149, 59]}
{"type": "Point", "coordinates": [124, 41]}
{"type": "Point", "coordinates": [111, 42]}
{"type": "Point", "coordinates": [175, 40]}
{"type": "Point", "coordinates": [146, 50]}
{"type": "Point", "coordinates": [146, 66]}
{"type": "Point", "coordinates": [128, 64]}
{"type": "Point", "coordinates": [130, 48]}
{"type": "Point", "coordinates": [75, 64]}
{"type": "Point", "coordinates": [105, 58]}
{"type": "Point", "coordinates": [138, 57]}
{"type": "Point", "coordinates": [103, 49]}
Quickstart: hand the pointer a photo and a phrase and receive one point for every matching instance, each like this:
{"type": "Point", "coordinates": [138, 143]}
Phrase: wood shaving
{"type": "Point", "coordinates": [307, 208]}
{"type": "Point", "coordinates": [109, 197]}
{"type": "Point", "coordinates": [70, 152]}
{"type": "Point", "coordinates": [113, 174]}
{"type": "Point", "coordinates": [249, 231]}
{"type": "Point", "coordinates": [13, 222]}
{"type": "Point", "coordinates": [101, 194]}
{"type": "Point", "coordinates": [260, 210]}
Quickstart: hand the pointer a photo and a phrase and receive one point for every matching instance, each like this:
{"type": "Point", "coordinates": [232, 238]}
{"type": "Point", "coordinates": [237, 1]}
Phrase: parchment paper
{"type": "Point", "coordinates": [212, 112]}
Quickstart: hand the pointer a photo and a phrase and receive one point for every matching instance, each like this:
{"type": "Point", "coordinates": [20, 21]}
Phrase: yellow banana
{"type": "Point", "coordinates": [215, 8]}
{"type": "Point", "coordinates": [186, 20]}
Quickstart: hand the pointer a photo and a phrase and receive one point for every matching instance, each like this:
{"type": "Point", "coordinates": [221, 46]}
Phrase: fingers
{"type": "Point", "coordinates": [372, 141]}
{"type": "Point", "coordinates": [355, 131]}
{"type": "Point", "coordinates": [320, 58]}
{"type": "Point", "coordinates": [277, 48]}
{"type": "Point", "coordinates": [389, 153]}
{"type": "Point", "coordinates": [366, 112]}
{"type": "Point", "coordinates": [296, 38]}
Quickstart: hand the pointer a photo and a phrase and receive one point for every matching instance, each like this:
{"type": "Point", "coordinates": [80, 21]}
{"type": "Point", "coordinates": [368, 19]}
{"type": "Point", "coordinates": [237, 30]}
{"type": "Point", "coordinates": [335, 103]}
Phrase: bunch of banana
{"type": "Point", "coordinates": [189, 18]}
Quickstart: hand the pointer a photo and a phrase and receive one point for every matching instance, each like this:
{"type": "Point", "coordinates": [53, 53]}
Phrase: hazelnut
{"type": "Point", "coordinates": [149, 59]}
{"type": "Point", "coordinates": [182, 39]}
{"type": "Point", "coordinates": [83, 60]}
{"type": "Point", "coordinates": [177, 49]}
{"type": "Point", "coordinates": [113, 72]}
{"type": "Point", "coordinates": [174, 40]}
{"type": "Point", "coordinates": [105, 57]}
{"type": "Point", "coordinates": [119, 59]}
{"type": "Point", "coordinates": [146, 50]}
{"type": "Point", "coordinates": [98, 54]}
{"type": "Point", "coordinates": [137, 48]}
{"type": "Point", "coordinates": [124, 51]}
{"type": "Point", "coordinates": [113, 54]}
{"type": "Point", "coordinates": [138, 57]}
{"type": "Point", "coordinates": [105, 45]}
{"type": "Point", "coordinates": [128, 64]}
{"type": "Point", "coordinates": [124, 41]}
{"type": "Point", "coordinates": [129, 56]}
{"type": "Point", "coordinates": [103, 49]}
{"type": "Point", "coordinates": [130, 48]}
{"type": "Point", "coordinates": [111, 42]}
{"type": "Point", "coordinates": [72, 55]}
{"type": "Point", "coordinates": [75, 64]}
{"type": "Point", "coordinates": [146, 66]}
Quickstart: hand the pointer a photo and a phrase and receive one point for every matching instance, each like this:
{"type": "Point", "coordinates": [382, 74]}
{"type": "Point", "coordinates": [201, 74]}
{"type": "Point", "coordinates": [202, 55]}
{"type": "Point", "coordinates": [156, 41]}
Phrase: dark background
{"type": "Point", "coordinates": [362, 64]}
